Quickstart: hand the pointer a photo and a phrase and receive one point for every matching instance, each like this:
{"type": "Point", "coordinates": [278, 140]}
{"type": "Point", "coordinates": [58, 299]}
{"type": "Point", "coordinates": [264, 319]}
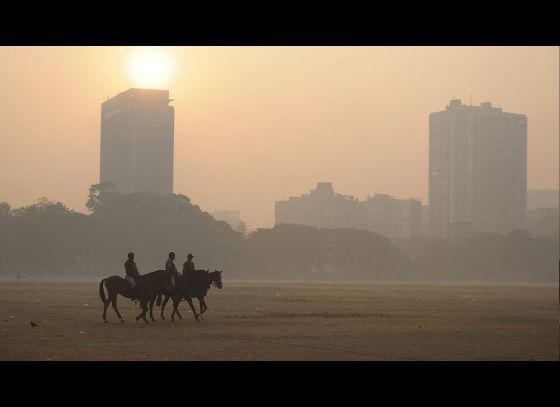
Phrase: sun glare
{"type": "Point", "coordinates": [150, 67]}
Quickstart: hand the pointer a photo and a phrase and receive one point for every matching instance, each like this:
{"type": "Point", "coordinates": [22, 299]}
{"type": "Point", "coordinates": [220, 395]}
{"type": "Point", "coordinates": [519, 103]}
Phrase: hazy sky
{"type": "Point", "coordinates": [257, 124]}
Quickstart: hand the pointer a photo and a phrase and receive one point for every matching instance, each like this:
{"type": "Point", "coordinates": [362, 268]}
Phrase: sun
{"type": "Point", "coordinates": [150, 67]}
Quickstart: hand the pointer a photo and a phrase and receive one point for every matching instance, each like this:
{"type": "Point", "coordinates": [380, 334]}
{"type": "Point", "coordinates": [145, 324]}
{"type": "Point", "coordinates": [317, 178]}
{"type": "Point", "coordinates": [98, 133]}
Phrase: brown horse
{"type": "Point", "coordinates": [195, 285]}
{"type": "Point", "coordinates": [146, 286]}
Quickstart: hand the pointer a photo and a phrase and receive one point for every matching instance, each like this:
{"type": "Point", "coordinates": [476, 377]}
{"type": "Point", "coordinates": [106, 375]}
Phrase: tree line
{"type": "Point", "coordinates": [47, 238]}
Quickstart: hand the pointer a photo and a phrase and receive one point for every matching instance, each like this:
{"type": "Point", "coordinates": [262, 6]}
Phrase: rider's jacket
{"type": "Point", "coordinates": [188, 267]}
{"type": "Point", "coordinates": [170, 266]}
{"type": "Point", "coordinates": [131, 269]}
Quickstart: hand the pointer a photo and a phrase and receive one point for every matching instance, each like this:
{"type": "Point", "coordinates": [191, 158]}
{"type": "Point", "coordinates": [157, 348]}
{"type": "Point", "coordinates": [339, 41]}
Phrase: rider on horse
{"type": "Point", "coordinates": [188, 266]}
{"type": "Point", "coordinates": [170, 268]}
{"type": "Point", "coordinates": [131, 273]}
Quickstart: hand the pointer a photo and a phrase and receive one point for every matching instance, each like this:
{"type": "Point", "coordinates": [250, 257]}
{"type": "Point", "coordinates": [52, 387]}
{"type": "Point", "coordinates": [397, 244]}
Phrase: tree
{"type": "Point", "coordinates": [5, 209]}
{"type": "Point", "coordinates": [98, 194]}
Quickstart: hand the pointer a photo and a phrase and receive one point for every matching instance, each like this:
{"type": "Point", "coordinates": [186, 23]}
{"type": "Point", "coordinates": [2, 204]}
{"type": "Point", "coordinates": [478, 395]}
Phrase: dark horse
{"type": "Point", "coordinates": [193, 285]}
{"type": "Point", "coordinates": [146, 286]}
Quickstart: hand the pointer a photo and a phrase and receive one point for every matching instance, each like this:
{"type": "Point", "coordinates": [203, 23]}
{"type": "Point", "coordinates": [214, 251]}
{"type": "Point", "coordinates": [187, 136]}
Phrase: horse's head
{"type": "Point", "coordinates": [216, 278]}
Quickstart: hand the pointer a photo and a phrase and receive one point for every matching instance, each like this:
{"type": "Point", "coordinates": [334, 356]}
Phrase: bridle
{"type": "Point", "coordinates": [214, 283]}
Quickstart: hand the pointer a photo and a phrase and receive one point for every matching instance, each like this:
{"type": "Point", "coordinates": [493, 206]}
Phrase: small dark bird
{"type": "Point", "coordinates": [34, 324]}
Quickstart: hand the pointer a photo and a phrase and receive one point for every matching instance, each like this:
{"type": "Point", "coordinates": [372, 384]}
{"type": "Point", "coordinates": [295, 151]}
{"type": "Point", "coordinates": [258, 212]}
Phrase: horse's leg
{"type": "Point", "coordinates": [179, 313]}
{"type": "Point", "coordinates": [189, 300]}
{"type": "Point", "coordinates": [142, 314]}
{"type": "Point", "coordinates": [200, 304]}
{"type": "Point", "coordinates": [163, 306]}
{"type": "Point", "coordinates": [152, 306]}
{"type": "Point", "coordinates": [105, 306]}
{"type": "Point", "coordinates": [145, 310]}
{"type": "Point", "coordinates": [204, 303]}
{"type": "Point", "coordinates": [175, 309]}
{"type": "Point", "coordinates": [114, 303]}
{"type": "Point", "coordinates": [106, 302]}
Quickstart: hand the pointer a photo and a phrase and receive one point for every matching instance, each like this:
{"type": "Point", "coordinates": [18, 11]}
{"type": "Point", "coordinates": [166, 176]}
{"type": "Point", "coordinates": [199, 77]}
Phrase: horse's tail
{"type": "Point", "coordinates": [102, 291]}
{"type": "Point", "coordinates": [158, 301]}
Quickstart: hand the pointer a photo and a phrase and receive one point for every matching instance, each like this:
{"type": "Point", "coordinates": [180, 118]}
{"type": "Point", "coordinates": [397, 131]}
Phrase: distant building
{"type": "Point", "coordinates": [137, 141]}
{"type": "Point", "coordinates": [324, 208]}
{"type": "Point", "coordinates": [477, 170]}
{"type": "Point", "coordinates": [543, 221]}
{"type": "Point", "coordinates": [425, 220]}
{"type": "Point", "coordinates": [392, 217]}
{"type": "Point", "coordinates": [233, 218]}
{"type": "Point", "coordinates": [543, 212]}
{"type": "Point", "coordinates": [542, 198]}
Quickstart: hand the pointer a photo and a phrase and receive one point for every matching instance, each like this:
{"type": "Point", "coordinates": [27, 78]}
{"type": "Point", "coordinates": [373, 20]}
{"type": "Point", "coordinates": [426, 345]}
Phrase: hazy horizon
{"type": "Point", "coordinates": [254, 125]}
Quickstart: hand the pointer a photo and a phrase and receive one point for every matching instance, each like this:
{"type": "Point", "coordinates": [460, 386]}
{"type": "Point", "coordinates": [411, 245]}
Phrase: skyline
{"type": "Point", "coordinates": [266, 123]}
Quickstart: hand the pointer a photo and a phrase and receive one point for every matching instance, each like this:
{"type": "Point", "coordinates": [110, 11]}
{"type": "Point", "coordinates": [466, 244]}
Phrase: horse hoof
{"type": "Point", "coordinates": [105, 321]}
{"type": "Point", "coordinates": [122, 321]}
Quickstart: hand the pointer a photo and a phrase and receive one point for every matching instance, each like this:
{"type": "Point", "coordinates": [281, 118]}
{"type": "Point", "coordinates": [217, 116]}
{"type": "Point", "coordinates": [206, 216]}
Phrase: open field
{"type": "Point", "coordinates": [288, 321]}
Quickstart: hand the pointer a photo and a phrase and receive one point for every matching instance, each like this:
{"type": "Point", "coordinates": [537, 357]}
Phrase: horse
{"type": "Point", "coordinates": [146, 286]}
{"type": "Point", "coordinates": [195, 285]}
{"type": "Point", "coordinates": [157, 298]}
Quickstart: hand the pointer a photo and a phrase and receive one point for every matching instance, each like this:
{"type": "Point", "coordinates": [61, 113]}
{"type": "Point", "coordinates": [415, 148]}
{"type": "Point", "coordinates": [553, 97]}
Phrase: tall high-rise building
{"type": "Point", "coordinates": [477, 170]}
{"type": "Point", "coordinates": [137, 141]}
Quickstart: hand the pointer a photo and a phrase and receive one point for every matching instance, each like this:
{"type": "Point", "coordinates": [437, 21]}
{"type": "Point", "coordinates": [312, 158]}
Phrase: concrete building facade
{"type": "Point", "coordinates": [321, 208]}
{"type": "Point", "coordinates": [392, 217]}
{"type": "Point", "coordinates": [324, 208]}
{"type": "Point", "coordinates": [137, 137]}
{"type": "Point", "coordinates": [477, 170]}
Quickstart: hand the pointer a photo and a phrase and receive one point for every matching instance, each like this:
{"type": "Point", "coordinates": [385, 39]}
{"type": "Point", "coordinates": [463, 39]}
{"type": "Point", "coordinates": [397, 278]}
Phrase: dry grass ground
{"type": "Point", "coordinates": [288, 321]}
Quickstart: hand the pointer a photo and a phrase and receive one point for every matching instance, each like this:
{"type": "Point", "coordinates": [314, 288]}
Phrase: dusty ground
{"type": "Point", "coordinates": [280, 321]}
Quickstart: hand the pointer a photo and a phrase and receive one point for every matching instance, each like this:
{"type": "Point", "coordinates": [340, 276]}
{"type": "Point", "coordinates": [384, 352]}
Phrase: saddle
{"type": "Point", "coordinates": [131, 281]}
